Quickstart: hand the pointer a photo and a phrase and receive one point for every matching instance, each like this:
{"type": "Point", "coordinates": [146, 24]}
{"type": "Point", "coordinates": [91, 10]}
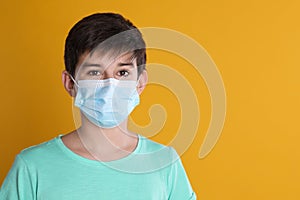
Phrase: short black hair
{"type": "Point", "coordinates": [106, 31]}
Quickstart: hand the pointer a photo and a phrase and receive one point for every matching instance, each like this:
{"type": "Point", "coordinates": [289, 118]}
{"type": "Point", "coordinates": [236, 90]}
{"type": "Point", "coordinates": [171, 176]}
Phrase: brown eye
{"type": "Point", "coordinates": [94, 73]}
{"type": "Point", "coordinates": [123, 73]}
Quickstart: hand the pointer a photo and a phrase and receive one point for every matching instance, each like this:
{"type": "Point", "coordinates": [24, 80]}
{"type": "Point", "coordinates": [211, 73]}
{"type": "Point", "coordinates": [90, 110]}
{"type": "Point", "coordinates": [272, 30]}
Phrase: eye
{"type": "Point", "coordinates": [123, 73]}
{"type": "Point", "coordinates": [94, 73]}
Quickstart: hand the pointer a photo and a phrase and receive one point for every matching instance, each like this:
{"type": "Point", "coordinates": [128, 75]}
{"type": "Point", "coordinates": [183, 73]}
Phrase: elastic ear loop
{"type": "Point", "coordinates": [137, 82]}
{"type": "Point", "coordinates": [73, 80]}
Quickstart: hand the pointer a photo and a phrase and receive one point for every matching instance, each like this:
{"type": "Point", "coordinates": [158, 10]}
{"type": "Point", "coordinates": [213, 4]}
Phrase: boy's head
{"type": "Point", "coordinates": [107, 33]}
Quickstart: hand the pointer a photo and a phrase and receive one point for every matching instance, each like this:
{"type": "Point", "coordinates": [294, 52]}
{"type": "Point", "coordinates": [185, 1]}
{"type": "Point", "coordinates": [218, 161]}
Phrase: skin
{"type": "Point", "coordinates": [90, 141]}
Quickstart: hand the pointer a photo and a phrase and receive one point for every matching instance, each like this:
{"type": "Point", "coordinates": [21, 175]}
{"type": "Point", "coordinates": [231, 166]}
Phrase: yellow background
{"type": "Point", "coordinates": [255, 45]}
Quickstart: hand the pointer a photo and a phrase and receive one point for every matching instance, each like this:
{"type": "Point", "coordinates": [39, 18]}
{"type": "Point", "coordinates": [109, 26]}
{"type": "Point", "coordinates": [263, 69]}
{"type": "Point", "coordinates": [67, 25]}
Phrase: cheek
{"type": "Point", "coordinates": [73, 92]}
{"type": "Point", "coordinates": [79, 73]}
{"type": "Point", "coordinates": [134, 73]}
{"type": "Point", "coordinates": [140, 88]}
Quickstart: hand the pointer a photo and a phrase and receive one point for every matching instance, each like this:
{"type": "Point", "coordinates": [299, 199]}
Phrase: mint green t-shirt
{"type": "Point", "coordinates": [51, 171]}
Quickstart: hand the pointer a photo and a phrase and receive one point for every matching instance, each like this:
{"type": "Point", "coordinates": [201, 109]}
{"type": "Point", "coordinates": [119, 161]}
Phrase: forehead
{"type": "Point", "coordinates": [105, 59]}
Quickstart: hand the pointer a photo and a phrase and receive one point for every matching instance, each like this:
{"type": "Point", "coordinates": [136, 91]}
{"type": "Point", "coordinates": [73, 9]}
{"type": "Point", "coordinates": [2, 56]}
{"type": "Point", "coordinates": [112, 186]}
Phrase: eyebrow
{"type": "Point", "coordinates": [91, 65]}
{"type": "Point", "coordinates": [126, 64]}
{"type": "Point", "coordinates": [98, 65]}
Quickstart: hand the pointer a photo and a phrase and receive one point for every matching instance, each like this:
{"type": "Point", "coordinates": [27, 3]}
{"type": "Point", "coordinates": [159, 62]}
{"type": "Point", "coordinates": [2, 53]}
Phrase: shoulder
{"type": "Point", "coordinates": [147, 146]}
{"type": "Point", "coordinates": [39, 151]}
{"type": "Point", "coordinates": [151, 156]}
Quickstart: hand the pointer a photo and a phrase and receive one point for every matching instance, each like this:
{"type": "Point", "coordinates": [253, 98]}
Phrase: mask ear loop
{"type": "Point", "coordinates": [74, 80]}
{"type": "Point", "coordinates": [137, 82]}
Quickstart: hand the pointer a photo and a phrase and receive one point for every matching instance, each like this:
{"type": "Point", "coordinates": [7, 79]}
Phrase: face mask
{"type": "Point", "coordinates": [106, 103]}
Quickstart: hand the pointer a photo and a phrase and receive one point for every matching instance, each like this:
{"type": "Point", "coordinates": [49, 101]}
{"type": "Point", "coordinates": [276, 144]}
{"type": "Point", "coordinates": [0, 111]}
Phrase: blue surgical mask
{"type": "Point", "coordinates": [106, 103]}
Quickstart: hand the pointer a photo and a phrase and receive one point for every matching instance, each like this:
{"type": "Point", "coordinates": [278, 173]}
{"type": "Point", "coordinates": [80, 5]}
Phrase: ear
{"type": "Point", "coordinates": [68, 83]}
{"type": "Point", "coordinates": [143, 80]}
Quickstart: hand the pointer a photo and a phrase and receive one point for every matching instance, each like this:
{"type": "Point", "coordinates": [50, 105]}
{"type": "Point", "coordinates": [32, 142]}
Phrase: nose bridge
{"type": "Point", "coordinates": [108, 73]}
{"type": "Point", "coordinates": [109, 70]}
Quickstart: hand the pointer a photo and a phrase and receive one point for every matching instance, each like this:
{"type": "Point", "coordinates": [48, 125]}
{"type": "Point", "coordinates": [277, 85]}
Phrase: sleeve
{"type": "Point", "coordinates": [178, 182]}
{"type": "Point", "coordinates": [18, 182]}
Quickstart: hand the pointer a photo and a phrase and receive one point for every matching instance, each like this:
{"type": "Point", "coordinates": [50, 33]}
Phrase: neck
{"type": "Point", "coordinates": [104, 142]}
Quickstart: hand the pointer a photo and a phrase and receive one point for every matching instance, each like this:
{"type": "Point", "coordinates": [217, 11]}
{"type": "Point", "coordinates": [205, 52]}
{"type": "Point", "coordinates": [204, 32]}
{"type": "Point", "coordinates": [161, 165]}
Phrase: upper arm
{"type": "Point", "coordinates": [18, 184]}
{"type": "Point", "coordinates": [178, 182]}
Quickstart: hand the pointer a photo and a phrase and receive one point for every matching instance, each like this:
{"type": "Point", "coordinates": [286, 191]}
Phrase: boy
{"type": "Point", "coordinates": [105, 58]}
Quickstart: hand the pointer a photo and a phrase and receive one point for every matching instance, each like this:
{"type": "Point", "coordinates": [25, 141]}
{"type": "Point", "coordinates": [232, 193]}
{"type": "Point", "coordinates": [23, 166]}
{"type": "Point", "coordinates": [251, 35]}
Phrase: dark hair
{"type": "Point", "coordinates": [106, 31]}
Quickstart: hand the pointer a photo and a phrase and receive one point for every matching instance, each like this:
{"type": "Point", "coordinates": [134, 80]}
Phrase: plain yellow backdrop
{"type": "Point", "coordinates": [255, 45]}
